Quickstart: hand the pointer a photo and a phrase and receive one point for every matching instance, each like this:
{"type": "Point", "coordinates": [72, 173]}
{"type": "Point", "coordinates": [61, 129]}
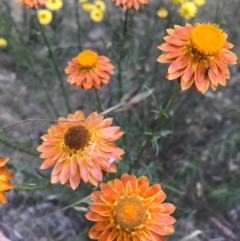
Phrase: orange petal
{"type": "Point", "coordinates": [93, 233]}
{"type": "Point", "coordinates": [3, 198]}
{"type": "Point", "coordinates": [169, 229]}
{"type": "Point", "coordinates": [94, 216]}
{"type": "Point", "coordinates": [65, 173]}
{"type": "Point", "coordinates": [157, 229]}
{"type": "Point", "coordinates": [113, 234]}
{"type": "Point", "coordinates": [96, 196]}
{"type": "Point", "coordinates": [107, 190]}
{"type": "Point", "coordinates": [153, 190]}
{"type": "Point", "coordinates": [168, 208]}
{"type": "Point", "coordinates": [75, 179]}
{"type": "Point", "coordinates": [164, 220]}
{"type": "Point", "coordinates": [3, 161]}
{"type": "Point", "coordinates": [99, 207]}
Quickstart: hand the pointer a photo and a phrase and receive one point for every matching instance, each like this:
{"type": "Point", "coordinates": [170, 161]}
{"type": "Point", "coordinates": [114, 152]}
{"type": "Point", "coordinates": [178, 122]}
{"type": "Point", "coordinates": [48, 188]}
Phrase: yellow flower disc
{"type": "Point", "coordinates": [87, 58]}
{"type": "Point", "coordinates": [129, 213]}
{"type": "Point", "coordinates": [207, 39]}
{"type": "Point", "coordinates": [188, 10]}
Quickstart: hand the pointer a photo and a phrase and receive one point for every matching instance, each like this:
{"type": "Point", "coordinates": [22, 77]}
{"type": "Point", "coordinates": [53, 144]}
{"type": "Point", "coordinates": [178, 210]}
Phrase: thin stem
{"type": "Point", "coordinates": [119, 62]}
{"type": "Point", "coordinates": [125, 23]}
{"type": "Point", "coordinates": [77, 16]}
{"type": "Point", "coordinates": [119, 78]}
{"type": "Point", "coordinates": [99, 104]}
{"type": "Point", "coordinates": [17, 148]}
{"type": "Point", "coordinates": [160, 120]}
{"type": "Point", "coordinates": [55, 66]}
{"type": "Point", "coordinates": [31, 61]}
{"type": "Point", "coordinates": [31, 187]}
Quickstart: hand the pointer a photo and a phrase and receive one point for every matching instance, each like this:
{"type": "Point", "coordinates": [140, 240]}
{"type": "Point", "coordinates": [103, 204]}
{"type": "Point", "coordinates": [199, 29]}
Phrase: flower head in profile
{"type": "Point", "coordinates": [31, 3]}
{"type": "Point", "coordinates": [130, 4]}
{"type": "Point", "coordinates": [54, 5]}
{"type": "Point", "coordinates": [130, 209]}
{"type": "Point", "coordinates": [89, 70]}
{"type": "Point", "coordinates": [199, 56]}
{"type": "Point", "coordinates": [44, 16]}
{"type": "Point", "coordinates": [80, 149]}
{"type": "Point", "coordinates": [188, 10]}
{"type": "Point", "coordinates": [3, 43]}
{"type": "Point", "coordinates": [5, 176]}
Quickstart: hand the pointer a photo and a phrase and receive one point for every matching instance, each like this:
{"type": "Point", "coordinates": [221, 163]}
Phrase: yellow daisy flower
{"type": "Point", "coordinates": [3, 43]}
{"type": "Point", "coordinates": [188, 10]}
{"type": "Point", "coordinates": [88, 7]}
{"type": "Point", "coordinates": [176, 1]}
{"type": "Point", "coordinates": [44, 16]}
{"type": "Point", "coordinates": [199, 2]}
{"type": "Point", "coordinates": [101, 5]}
{"type": "Point", "coordinates": [162, 12]}
{"type": "Point", "coordinates": [96, 15]}
{"type": "Point", "coordinates": [54, 5]}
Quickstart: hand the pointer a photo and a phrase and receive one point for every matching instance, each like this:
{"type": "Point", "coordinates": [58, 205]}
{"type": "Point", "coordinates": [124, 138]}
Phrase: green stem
{"type": "Point", "coordinates": [119, 62]}
{"type": "Point", "coordinates": [77, 16]}
{"type": "Point", "coordinates": [99, 107]}
{"type": "Point", "coordinates": [55, 64]}
{"type": "Point", "coordinates": [27, 55]}
{"type": "Point", "coordinates": [17, 148]}
{"type": "Point", "coordinates": [30, 187]}
{"type": "Point", "coordinates": [125, 23]}
{"type": "Point", "coordinates": [160, 120]}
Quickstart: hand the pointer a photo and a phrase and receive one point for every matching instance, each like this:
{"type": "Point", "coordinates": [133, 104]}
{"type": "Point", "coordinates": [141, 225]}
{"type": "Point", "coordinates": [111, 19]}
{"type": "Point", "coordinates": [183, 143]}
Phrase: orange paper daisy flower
{"type": "Point", "coordinates": [128, 4]}
{"type": "Point", "coordinates": [31, 3]}
{"type": "Point", "coordinates": [80, 148]}
{"type": "Point", "coordinates": [130, 210]}
{"type": "Point", "coordinates": [199, 56]}
{"type": "Point", "coordinates": [89, 70]}
{"type": "Point", "coordinates": [5, 176]}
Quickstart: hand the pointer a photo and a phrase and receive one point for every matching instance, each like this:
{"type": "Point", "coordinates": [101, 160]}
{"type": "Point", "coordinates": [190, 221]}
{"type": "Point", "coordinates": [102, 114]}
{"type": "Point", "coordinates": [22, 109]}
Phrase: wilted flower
{"type": "Point", "coordinates": [80, 149]}
{"type": "Point", "coordinates": [129, 209]}
{"type": "Point", "coordinates": [199, 56]}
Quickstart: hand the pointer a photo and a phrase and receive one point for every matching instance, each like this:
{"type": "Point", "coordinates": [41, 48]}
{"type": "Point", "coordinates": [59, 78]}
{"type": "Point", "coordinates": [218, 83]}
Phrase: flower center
{"type": "Point", "coordinates": [129, 213]}
{"type": "Point", "coordinates": [87, 58]}
{"type": "Point", "coordinates": [76, 137]}
{"type": "Point", "coordinates": [207, 39]}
